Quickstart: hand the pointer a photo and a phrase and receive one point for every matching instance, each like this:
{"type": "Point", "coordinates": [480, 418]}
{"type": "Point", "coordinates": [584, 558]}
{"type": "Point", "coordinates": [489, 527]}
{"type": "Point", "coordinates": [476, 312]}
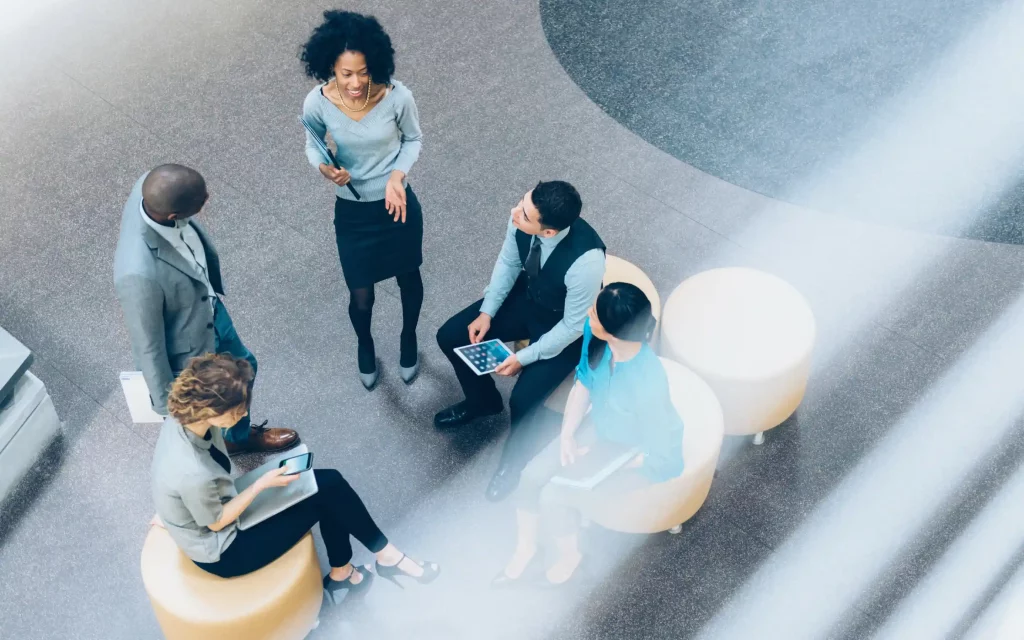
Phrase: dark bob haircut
{"type": "Point", "coordinates": [344, 31]}
{"type": "Point", "coordinates": [625, 312]}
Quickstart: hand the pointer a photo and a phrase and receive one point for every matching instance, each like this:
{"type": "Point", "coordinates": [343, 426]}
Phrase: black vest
{"type": "Point", "coordinates": [547, 290]}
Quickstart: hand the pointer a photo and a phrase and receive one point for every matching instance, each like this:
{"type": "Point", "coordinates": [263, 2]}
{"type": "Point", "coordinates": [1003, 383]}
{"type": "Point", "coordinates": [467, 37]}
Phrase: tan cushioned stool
{"type": "Point", "coordinates": [666, 505]}
{"type": "Point", "coordinates": [615, 270]}
{"type": "Point", "coordinates": [749, 334]}
{"type": "Point", "coordinates": [280, 601]}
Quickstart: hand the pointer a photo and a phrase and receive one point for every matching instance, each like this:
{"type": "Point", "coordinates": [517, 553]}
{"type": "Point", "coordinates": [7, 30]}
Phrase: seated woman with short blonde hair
{"type": "Point", "coordinates": [197, 502]}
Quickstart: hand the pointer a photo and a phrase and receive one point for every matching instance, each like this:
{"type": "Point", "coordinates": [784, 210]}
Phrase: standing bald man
{"type": "Point", "coordinates": [167, 277]}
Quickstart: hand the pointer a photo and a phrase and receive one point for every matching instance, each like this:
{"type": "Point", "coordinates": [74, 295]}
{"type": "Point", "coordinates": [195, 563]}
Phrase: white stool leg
{"type": "Point", "coordinates": [676, 529]}
{"type": "Point", "coordinates": [759, 437]}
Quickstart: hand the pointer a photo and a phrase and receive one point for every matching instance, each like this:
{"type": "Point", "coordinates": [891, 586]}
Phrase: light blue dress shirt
{"type": "Point", "coordinates": [582, 283]}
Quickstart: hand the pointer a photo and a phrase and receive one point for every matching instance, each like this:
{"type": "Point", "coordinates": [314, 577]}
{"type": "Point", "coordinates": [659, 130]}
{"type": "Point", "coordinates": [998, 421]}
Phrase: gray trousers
{"type": "Point", "coordinates": [560, 506]}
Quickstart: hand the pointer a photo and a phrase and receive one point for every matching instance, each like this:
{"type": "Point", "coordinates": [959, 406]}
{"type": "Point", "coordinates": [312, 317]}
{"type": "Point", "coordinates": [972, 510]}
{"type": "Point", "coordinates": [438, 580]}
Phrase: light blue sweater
{"type": "Point", "coordinates": [387, 138]}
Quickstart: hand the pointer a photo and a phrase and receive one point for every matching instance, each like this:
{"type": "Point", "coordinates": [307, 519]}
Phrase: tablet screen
{"type": "Point", "coordinates": [485, 356]}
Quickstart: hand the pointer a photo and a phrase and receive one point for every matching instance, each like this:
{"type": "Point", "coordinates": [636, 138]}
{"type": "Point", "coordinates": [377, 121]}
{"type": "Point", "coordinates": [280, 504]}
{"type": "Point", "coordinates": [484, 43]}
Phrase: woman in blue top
{"type": "Point", "coordinates": [623, 385]}
{"type": "Point", "coordinates": [373, 120]}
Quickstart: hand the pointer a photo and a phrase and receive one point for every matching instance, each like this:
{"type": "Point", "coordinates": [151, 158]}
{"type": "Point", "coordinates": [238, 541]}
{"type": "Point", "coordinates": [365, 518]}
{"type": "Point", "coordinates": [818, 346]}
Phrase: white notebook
{"type": "Point", "coordinates": [136, 394]}
{"type": "Point", "coordinates": [274, 500]}
{"type": "Point", "coordinates": [596, 466]}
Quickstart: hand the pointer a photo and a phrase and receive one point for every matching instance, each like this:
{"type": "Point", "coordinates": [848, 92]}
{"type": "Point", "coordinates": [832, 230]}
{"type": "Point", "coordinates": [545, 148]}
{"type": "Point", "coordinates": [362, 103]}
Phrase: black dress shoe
{"type": "Point", "coordinates": [462, 413]}
{"type": "Point", "coordinates": [503, 482]}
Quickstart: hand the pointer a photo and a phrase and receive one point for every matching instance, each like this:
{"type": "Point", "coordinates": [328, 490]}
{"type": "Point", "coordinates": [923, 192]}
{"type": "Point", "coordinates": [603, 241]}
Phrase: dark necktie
{"type": "Point", "coordinates": [532, 265]}
{"type": "Point", "coordinates": [218, 456]}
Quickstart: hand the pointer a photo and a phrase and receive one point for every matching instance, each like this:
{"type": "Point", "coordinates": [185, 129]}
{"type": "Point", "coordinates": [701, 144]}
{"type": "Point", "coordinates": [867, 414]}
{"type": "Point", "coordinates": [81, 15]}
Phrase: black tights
{"type": "Point", "coordinates": [360, 311]}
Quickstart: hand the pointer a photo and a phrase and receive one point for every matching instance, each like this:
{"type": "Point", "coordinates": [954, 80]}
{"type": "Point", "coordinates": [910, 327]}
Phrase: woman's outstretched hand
{"type": "Point", "coordinates": [394, 197]}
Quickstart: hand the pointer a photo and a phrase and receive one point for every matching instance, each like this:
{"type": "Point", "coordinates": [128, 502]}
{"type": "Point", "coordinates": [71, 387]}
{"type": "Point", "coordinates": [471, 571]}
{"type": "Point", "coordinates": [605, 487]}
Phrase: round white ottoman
{"type": "Point", "coordinates": [618, 270]}
{"type": "Point", "coordinates": [665, 506]}
{"type": "Point", "coordinates": [749, 334]}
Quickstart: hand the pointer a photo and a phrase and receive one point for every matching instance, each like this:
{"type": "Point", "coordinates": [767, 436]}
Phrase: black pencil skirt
{"type": "Point", "coordinates": [371, 245]}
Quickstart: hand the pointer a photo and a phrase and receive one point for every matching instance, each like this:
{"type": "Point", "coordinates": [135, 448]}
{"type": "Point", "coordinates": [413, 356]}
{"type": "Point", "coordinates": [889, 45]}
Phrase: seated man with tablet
{"type": "Point", "coordinates": [547, 275]}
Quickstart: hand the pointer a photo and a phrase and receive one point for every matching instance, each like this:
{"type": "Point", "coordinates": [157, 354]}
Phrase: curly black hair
{"type": "Point", "coordinates": [344, 31]}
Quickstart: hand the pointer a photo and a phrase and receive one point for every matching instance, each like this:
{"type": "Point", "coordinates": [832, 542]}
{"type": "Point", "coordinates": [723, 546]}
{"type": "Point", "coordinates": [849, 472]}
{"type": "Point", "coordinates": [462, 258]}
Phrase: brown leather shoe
{"type": "Point", "coordinates": [264, 440]}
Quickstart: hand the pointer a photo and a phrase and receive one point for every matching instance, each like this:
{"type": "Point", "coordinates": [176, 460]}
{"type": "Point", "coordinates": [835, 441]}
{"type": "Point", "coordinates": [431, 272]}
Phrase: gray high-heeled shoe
{"type": "Point", "coordinates": [369, 380]}
{"type": "Point", "coordinates": [409, 373]}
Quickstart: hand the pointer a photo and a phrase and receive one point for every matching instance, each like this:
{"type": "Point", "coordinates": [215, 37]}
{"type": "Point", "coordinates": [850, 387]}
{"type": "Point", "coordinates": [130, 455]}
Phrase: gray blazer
{"type": "Point", "coordinates": [165, 301]}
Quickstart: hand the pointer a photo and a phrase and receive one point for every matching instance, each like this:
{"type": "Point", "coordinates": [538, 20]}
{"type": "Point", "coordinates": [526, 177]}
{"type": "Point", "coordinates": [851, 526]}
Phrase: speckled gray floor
{"type": "Point", "coordinates": [763, 93]}
{"type": "Point", "coordinates": [93, 93]}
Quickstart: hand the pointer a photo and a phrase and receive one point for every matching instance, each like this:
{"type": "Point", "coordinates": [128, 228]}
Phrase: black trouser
{"type": "Point", "coordinates": [532, 425]}
{"type": "Point", "coordinates": [337, 508]}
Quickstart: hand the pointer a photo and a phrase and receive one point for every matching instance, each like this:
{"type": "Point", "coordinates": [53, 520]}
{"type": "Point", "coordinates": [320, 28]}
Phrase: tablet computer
{"type": "Point", "coordinates": [484, 357]}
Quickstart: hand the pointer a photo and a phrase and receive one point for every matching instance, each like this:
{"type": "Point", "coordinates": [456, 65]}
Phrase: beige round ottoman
{"type": "Point", "coordinates": [619, 270]}
{"type": "Point", "coordinates": [666, 505]}
{"type": "Point", "coordinates": [280, 601]}
{"type": "Point", "coordinates": [749, 334]}
{"type": "Point", "coordinates": [615, 270]}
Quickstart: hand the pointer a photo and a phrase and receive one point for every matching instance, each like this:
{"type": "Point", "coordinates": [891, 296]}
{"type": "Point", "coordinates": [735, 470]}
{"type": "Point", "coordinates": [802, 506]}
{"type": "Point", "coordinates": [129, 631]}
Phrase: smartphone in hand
{"type": "Point", "coordinates": [297, 464]}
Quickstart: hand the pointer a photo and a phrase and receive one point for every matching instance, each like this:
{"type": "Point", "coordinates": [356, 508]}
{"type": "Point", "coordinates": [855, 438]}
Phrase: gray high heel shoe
{"type": "Point", "coordinates": [369, 380]}
{"type": "Point", "coordinates": [409, 373]}
{"type": "Point", "coordinates": [364, 353]}
{"type": "Point", "coordinates": [408, 346]}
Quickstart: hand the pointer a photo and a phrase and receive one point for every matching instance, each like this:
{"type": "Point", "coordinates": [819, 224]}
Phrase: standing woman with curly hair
{"type": "Point", "coordinates": [378, 224]}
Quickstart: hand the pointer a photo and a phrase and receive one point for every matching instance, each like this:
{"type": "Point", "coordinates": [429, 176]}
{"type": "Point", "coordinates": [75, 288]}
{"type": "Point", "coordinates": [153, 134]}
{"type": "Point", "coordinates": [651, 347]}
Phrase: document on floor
{"type": "Point", "coordinates": [595, 466]}
{"type": "Point", "coordinates": [136, 394]}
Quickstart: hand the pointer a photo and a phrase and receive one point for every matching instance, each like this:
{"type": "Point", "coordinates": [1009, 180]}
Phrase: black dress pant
{"type": "Point", "coordinates": [532, 425]}
{"type": "Point", "coordinates": [337, 508]}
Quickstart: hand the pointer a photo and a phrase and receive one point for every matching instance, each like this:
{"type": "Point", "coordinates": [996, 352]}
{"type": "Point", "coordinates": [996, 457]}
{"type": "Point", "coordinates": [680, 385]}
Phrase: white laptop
{"type": "Point", "coordinates": [274, 500]}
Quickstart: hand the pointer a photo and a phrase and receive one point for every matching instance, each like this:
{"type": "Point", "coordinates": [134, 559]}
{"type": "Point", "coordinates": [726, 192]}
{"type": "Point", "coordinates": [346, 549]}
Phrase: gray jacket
{"type": "Point", "coordinates": [165, 301]}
